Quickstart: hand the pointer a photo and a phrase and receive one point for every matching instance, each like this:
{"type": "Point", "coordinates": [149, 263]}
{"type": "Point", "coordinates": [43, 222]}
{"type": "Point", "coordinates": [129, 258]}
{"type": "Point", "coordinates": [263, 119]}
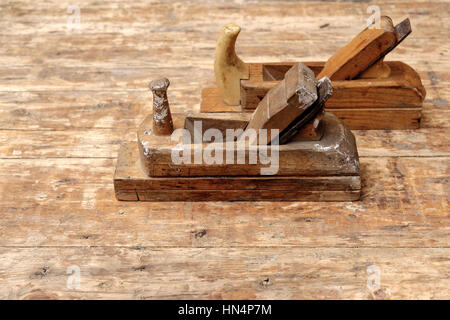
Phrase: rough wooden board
{"type": "Point", "coordinates": [89, 88]}
{"type": "Point", "coordinates": [225, 273]}
{"type": "Point", "coordinates": [70, 202]}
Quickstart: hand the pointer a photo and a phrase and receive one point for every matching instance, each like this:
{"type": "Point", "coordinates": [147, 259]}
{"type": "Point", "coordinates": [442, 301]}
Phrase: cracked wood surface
{"type": "Point", "coordinates": [68, 99]}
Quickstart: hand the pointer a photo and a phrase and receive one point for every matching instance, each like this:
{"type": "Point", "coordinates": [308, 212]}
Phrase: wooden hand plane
{"type": "Point", "coordinates": [369, 93]}
{"type": "Point", "coordinates": [288, 149]}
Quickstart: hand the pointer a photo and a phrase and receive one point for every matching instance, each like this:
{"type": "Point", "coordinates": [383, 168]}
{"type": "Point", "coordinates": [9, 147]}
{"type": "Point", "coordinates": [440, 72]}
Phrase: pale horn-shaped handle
{"type": "Point", "coordinates": [228, 68]}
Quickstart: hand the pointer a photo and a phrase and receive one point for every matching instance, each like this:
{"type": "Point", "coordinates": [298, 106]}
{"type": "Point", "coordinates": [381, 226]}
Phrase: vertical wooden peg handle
{"type": "Point", "coordinates": [162, 118]}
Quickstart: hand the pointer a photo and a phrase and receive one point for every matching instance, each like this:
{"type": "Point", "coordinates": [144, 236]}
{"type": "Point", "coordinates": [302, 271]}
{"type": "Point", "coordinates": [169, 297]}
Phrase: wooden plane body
{"type": "Point", "coordinates": [394, 102]}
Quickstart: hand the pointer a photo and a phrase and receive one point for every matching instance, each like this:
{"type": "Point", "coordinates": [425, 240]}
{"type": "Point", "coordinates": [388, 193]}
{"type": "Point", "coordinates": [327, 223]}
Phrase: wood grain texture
{"type": "Point", "coordinates": [247, 273]}
{"type": "Point", "coordinates": [70, 202]}
{"type": "Point", "coordinates": [69, 98]}
{"type": "Point", "coordinates": [131, 184]}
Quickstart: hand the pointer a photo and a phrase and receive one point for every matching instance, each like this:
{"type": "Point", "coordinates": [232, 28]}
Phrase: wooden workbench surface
{"type": "Point", "coordinates": [68, 99]}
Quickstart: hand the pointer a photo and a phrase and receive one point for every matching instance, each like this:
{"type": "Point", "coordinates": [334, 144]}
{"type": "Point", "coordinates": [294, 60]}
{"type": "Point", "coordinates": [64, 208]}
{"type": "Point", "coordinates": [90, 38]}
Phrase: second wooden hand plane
{"type": "Point", "coordinates": [369, 93]}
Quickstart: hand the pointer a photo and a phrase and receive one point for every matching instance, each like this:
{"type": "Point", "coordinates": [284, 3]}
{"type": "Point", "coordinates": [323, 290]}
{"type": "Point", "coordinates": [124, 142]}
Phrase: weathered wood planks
{"type": "Point", "coordinates": [403, 204]}
{"type": "Point", "coordinates": [68, 99]}
{"type": "Point", "coordinates": [245, 273]}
